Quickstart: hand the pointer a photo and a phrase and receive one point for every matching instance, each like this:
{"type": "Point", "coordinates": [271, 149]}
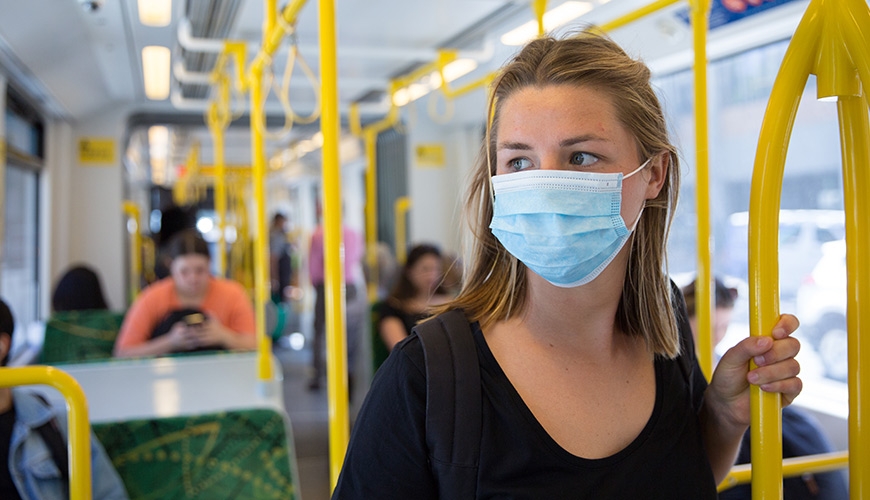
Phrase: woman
{"type": "Point", "coordinates": [571, 313]}
{"type": "Point", "coordinates": [416, 291]}
{"type": "Point", "coordinates": [189, 310]}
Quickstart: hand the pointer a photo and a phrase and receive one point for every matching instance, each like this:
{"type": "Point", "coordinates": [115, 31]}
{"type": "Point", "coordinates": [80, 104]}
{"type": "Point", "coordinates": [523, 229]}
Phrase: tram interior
{"type": "Point", "coordinates": [75, 71]}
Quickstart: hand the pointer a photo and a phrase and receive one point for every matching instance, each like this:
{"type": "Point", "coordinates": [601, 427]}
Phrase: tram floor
{"type": "Point", "coordinates": [309, 418]}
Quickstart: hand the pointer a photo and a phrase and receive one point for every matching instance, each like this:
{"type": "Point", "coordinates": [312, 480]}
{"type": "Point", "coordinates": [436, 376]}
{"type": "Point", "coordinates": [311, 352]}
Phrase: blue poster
{"type": "Point", "coordinates": [723, 12]}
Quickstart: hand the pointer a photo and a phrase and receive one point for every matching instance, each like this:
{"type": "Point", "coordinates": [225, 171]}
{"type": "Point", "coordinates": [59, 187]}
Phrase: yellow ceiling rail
{"type": "Point", "coordinates": [79, 447]}
{"type": "Point", "coordinates": [633, 16]}
{"type": "Point", "coordinates": [131, 210]}
{"type": "Point", "coordinates": [837, 30]}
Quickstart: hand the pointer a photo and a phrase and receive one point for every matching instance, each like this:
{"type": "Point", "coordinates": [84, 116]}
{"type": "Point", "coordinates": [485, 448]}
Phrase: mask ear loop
{"type": "Point", "coordinates": [638, 169]}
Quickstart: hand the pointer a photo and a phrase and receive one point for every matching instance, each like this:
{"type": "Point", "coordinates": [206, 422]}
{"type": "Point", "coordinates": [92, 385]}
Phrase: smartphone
{"type": "Point", "coordinates": [195, 319]}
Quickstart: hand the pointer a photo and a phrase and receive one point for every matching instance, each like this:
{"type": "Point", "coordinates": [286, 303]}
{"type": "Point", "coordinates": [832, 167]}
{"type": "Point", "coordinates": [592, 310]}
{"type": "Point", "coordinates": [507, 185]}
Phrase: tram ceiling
{"type": "Point", "coordinates": [74, 62]}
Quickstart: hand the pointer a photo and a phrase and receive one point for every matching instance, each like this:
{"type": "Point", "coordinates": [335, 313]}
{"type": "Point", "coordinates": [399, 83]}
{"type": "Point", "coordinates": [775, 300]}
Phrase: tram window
{"type": "Point", "coordinates": [18, 270]}
{"type": "Point", "coordinates": [811, 211]}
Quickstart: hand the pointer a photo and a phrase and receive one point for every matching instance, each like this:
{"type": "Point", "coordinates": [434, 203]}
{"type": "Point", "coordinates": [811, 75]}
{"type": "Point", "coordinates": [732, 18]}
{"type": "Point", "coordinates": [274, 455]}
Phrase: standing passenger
{"type": "Point", "coordinates": [188, 311]}
{"type": "Point", "coordinates": [354, 299]}
{"type": "Point", "coordinates": [582, 388]}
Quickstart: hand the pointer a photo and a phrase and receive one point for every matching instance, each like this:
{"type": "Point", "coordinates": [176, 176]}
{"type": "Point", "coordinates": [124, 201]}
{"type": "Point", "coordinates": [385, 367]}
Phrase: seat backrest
{"type": "Point", "coordinates": [227, 455]}
{"type": "Point", "coordinates": [74, 336]}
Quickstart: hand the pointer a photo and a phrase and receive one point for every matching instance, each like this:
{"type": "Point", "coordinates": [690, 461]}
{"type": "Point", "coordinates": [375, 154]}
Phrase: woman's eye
{"type": "Point", "coordinates": [520, 163]}
{"type": "Point", "coordinates": [583, 159]}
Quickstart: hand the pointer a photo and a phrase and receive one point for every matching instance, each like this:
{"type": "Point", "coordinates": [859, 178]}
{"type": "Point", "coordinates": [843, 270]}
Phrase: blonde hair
{"type": "Point", "coordinates": [495, 285]}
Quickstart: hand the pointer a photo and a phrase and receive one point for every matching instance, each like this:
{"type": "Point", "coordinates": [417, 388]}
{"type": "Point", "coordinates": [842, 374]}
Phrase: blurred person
{"type": "Point", "coordinates": [418, 289]}
{"type": "Point", "coordinates": [355, 300]}
{"type": "Point", "coordinates": [801, 432]}
{"type": "Point", "coordinates": [34, 464]}
{"type": "Point", "coordinates": [280, 259]}
{"type": "Point", "coordinates": [586, 386]}
{"type": "Point", "coordinates": [188, 311]}
{"type": "Point", "coordinates": [79, 289]}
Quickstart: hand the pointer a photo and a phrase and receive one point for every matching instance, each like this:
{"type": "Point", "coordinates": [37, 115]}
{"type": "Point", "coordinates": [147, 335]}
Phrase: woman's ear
{"type": "Point", "coordinates": [656, 174]}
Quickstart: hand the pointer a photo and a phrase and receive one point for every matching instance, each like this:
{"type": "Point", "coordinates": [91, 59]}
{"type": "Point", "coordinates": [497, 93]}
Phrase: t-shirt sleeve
{"type": "Point", "coordinates": [140, 319]}
{"type": "Point", "coordinates": [241, 312]}
{"type": "Point", "coordinates": [387, 456]}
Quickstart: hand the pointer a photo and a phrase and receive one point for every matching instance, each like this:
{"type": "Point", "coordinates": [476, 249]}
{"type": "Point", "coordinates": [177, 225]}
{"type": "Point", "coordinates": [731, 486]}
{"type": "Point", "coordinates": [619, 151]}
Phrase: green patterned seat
{"type": "Point", "coordinates": [76, 336]}
{"type": "Point", "coordinates": [238, 454]}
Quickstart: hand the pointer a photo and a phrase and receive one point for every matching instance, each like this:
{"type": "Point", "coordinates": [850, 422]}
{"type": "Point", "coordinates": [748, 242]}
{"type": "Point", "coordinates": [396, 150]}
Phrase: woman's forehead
{"type": "Point", "coordinates": [569, 108]}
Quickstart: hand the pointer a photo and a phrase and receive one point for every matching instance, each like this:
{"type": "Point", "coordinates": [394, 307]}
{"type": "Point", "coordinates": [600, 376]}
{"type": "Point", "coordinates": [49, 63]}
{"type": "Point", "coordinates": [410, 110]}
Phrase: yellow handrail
{"type": "Point", "coordinates": [79, 446]}
{"type": "Point", "coordinates": [131, 210]}
{"type": "Point", "coordinates": [831, 41]}
{"type": "Point", "coordinates": [791, 467]}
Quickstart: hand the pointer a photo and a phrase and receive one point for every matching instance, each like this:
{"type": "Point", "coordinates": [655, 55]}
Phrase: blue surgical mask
{"type": "Point", "coordinates": [562, 224]}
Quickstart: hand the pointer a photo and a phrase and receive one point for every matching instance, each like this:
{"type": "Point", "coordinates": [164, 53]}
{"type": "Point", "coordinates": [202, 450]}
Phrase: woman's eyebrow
{"type": "Point", "coordinates": [581, 139]}
{"type": "Point", "coordinates": [513, 145]}
{"type": "Point", "coordinates": [571, 141]}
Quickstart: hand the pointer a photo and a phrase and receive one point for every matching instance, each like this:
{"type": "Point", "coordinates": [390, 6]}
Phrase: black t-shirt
{"type": "Point", "coordinates": [388, 310]}
{"type": "Point", "coordinates": [388, 455]}
{"type": "Point", "coordinates": [7, 487]}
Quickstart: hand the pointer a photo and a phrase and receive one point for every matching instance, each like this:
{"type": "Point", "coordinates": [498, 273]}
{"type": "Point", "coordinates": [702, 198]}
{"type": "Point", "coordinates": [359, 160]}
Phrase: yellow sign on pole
{"type": "Point", "coordinates": [430, 155]}
{"type": "Point", "coordinates": [96, 151]}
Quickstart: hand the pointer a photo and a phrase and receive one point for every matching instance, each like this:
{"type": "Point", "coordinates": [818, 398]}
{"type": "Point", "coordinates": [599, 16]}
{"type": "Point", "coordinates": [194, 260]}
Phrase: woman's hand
{"type": "Point", "coordinates": [725, 414]}
{"type": "Point", "coordinates": [776, 371]}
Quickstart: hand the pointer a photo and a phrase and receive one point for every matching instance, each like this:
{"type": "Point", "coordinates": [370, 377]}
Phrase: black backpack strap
{"type": "Point", "coordinates": [54, 441]}
{"type": "Point", "coordinates": [453, 402]}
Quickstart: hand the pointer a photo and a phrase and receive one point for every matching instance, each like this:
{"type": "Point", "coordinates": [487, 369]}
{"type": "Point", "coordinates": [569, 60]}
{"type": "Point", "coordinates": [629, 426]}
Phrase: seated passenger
{"type": "Point", "coordinates": [189, 310]}
{"type": "Point", "coordinates": [33, 449]}
{"type": "Point", "coordinates": [79, 289]}
{"type": "Point", "coordinates": [418, 288]}
{"type": "Point", "coordinates": [801, 433]}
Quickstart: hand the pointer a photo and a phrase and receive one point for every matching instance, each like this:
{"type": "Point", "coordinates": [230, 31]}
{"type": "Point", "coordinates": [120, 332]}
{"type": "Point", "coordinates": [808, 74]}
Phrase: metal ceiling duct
{"type": "Point", "coordinates": [208, 19]}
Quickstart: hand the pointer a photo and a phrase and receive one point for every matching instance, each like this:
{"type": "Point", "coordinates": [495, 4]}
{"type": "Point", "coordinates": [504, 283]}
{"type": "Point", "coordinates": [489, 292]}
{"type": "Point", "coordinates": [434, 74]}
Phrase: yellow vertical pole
{"type": "Point", "coordinates": [79, 446]}
{"type": "Point", "coordinates": [336, 362]}
{"type": "Point", "coordinates": [704, 281]}
{"type": "Point", "coordinates": [855, 132]}
{"type": "Point", "coordinates": [371, 143]}
{"type": "Point", "coordinates": [132, 212]}
{"type": "Point", "coordinates": [540, 7]}
{"type": "Point", "coordinates": [218, 121]}
{"type": "Point", "coordinates": [764, 204]}
{"type": "Point", "coordinates": [258, 162]}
